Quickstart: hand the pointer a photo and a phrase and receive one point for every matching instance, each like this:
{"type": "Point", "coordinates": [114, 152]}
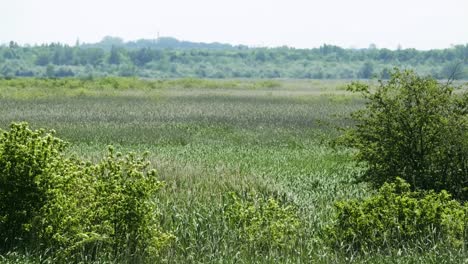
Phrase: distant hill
{"type": "Point", "coordinates": [159, 43]}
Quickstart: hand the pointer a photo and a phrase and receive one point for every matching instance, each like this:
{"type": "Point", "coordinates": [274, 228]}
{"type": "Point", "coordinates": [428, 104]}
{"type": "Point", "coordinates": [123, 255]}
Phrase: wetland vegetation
{"type": "Point", "coordinates": [250, 168]}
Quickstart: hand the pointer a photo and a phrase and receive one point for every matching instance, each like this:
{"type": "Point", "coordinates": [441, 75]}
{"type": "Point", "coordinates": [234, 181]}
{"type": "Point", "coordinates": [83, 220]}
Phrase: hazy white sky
{"type": "Point", "coordinates": [421, 24]}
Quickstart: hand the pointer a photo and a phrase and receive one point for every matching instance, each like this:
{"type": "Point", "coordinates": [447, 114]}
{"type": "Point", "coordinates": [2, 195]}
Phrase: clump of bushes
{"type": "Point", "coordinates": [397, 217]}
{"type": "Point", "coordinates": [412, 138]}
{"type": "Point", "coordinates": [415, 128]}
{"type": "Point", "coordinates": [261, 222]}
{"type": "Point", "coordinates": [71, 210]}
{"type": "Point", "coordinates": [27, 158]}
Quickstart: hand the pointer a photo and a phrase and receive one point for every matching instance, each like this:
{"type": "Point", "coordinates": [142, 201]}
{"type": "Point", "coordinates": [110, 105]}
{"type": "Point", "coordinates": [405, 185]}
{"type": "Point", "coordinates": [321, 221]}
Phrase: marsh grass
{"type": "Point", "coordinates": [270, 138]}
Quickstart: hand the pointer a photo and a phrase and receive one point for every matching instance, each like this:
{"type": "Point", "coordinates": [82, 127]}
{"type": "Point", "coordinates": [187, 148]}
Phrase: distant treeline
{"type": "Point", "coordinates": [171, 58]}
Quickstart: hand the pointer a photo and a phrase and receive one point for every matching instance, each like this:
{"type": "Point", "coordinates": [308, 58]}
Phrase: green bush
{"type": "Point", "coordinates": [414, 128]}
{"type": "Point", "coordinates": [74, 210]}
{"type": "Point", "coordinates": [262, 223]}
{"type": "Point", "coordinates": [397, 217]}
{"type": "Point", "coordinates": [125, 201]}
{"type": "Point", "coordinates": [26, 158]}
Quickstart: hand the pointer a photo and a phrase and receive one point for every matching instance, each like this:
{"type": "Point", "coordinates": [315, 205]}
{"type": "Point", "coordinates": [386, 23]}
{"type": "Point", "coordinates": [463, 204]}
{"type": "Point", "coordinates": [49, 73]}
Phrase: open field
{"type": "Point", "coordinates": [253, 138]}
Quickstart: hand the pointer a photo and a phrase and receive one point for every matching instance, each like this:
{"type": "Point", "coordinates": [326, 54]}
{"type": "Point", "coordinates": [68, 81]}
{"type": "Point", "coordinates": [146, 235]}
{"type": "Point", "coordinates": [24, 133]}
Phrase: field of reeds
{"type": "Point", "coordinates": [257, 142]}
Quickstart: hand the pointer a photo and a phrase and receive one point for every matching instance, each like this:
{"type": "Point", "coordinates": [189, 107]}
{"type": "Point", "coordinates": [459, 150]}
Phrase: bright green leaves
{"type": "Point", "coordinates": [412, 138]}
{"type": "Point", "coordinates": [26, 159]}
{"type": "Point", "coordinates": [74, 209]}
{"type": "Point", "coordinates": [264, 223]}
{"type": "Point", "coordinates": [397, 218]}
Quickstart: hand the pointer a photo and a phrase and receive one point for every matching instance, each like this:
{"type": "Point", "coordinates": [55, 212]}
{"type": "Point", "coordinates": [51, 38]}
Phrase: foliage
{"type": "Point", "coordinates": [207, 142]}
{"type": "Point", "coordinates": [366, 71]}
{"type": "Point", "coordinates": [398, 218]}
{"type": "Point", "coordinates": [414, 128]}
{"type": "Point", "coordinates": [170, 58]}
{"type": "Point", "coordinates": [264, 223]}
{"type": "Point", "coordinates": [114, 56]}
{"type": "Point", "coordinates": [26, 159]}
{"type": "Point", "coordinates": [76, 210]}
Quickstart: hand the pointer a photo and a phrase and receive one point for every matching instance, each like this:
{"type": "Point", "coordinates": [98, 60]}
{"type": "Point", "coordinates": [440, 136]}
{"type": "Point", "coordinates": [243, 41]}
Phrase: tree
{"type": "Point", "coordinates": [141, 56]}
{"type": "Point", "coordinates": [7, 70]}
{"type": "Point", "coordinates": [260, 56]}
{"type": "Point", "coordinates": [64, 72]}
{"type": "Point", "coordinates": [366, 70]}
{"type": "Point", "coordinates": [9, 54]}
{"type": "Point", "coordinates": [13, 45]}
{"type": "Point", "coordinates": [94, 56]}
{"type": "Point", "coordinates": [57, 57]}
{"type": "Point", "coordinates": [453, 71]}
{"type": "Point", "coordinates": [414, 128]}
{"type": "Point", "coordinates": [385, 74]}
{"type": "Point", "coordinates": [50, 71]}
{"type": "Point", "coordinates": [42, 59]}
{"type": "Point", "coordinates": [114, 57]}
{"type": "Point", "coordinates": [108, 41]}
{"type": "Point", "coordinates": [372, 46]}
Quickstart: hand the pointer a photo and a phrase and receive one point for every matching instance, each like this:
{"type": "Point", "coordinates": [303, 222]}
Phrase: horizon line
{"type": "Point", "coordinates": [259, 46]}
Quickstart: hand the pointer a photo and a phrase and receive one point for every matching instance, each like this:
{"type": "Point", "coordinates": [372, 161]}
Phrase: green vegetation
{"type": "Point", "coordinates": [263, 223]}
{"type": "Point", "coordinates": [169, 58]}
{"type": "Point", "coordinates": [250, 176]}
{"type": "Point", "coordinates": [73, 210]}
{"type": "Point", "coordinates": [397, 218]}
{"type": "Point", "coordinates": [414, 128]}
{"type": "Point", "coordinates": [128, 83]}
{"type": "Point", "coordinates": [26, 163]}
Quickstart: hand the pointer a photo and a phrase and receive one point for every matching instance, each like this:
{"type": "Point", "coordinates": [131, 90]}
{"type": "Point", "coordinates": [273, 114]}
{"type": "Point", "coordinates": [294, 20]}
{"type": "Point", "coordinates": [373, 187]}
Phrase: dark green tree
{"type": "Point", "coordinates": [64, 72]}
{"type": "Point", "coordinates": [42, 59]}
{"type": "Point", "coordinates": [415, 128]}
{"type": "Point", "coordinates": [453, 71]}
{"type": "Point", "coordinates": [385, 74]}
{"type": "Point", "coordinates": [13, 45]}
{"type": "Point", "coordinates": [141, 56]}
{"type": "Point", "coordinates": [114, 57]}
{"type": "Point", "coordinates": [50, 71]}
{"type": "Point", "coordinates": [366, 70]}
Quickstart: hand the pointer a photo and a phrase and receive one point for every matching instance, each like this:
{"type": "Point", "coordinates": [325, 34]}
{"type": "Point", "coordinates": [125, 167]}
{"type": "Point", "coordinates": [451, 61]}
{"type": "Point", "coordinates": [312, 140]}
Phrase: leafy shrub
{"type": "Point", "coordinates": [75, 210]}
{"type": "Point", "coordinates": [126, 190]}
{"type": "Point", "coordinates": [110, 209]}
{"type": "Point", "coordinates": [264, 223]}
{"type": "Point", "coordinates": [26, 157]}
{"type": "Point", "coordinates": [414, 128]}
{"type": "Point", "coordinates": [397, 217]}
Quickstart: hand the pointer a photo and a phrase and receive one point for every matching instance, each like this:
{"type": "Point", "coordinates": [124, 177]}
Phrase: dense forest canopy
{"type": "Point", "coordinates": [170, 58]}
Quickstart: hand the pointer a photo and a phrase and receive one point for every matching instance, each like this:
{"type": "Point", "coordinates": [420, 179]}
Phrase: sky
{"type": "Point", "coordinates": [420, 24]}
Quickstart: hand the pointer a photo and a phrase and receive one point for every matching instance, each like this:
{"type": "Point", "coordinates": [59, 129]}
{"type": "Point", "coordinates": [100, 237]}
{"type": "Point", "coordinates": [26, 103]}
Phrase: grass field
{"type": "Point", "coordinates": [254, 139]}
